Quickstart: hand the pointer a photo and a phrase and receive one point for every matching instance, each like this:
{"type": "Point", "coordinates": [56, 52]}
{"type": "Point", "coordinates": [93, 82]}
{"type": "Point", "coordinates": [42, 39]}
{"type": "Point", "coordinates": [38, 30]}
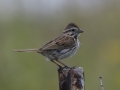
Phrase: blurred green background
{"type": "Point", "coordinates": [32, 23]}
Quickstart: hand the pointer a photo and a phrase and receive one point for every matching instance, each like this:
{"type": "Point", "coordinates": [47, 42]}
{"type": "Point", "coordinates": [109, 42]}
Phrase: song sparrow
{"type": "Point", "coordinates": [62, 47]}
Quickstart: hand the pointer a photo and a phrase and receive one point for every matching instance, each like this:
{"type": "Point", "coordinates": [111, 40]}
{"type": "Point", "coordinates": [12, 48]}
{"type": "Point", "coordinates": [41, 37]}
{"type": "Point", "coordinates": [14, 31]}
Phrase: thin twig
{"type": "Point", "coordinates": [101, 84]}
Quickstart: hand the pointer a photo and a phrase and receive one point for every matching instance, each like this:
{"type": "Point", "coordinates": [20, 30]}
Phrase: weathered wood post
{"type": "Point", "coordinates": [71, 78]}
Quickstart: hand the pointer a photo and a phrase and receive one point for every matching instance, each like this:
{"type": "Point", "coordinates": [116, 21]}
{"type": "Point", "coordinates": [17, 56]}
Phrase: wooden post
{"type": "Point", "coordinates": [71, 78]}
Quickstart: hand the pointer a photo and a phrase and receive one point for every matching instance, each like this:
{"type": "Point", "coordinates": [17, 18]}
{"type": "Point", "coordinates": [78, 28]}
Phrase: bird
{"type": "Point", "coordinates": [61, 47]}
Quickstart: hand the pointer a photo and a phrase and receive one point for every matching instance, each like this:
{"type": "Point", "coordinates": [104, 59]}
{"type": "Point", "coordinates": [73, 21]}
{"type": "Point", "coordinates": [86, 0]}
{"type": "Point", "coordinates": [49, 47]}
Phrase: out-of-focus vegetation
{"type": "Point", "coordinates": [99, 53]}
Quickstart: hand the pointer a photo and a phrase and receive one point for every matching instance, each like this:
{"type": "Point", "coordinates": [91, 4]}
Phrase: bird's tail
{"type": "Point", "coordinates": [27, 50]}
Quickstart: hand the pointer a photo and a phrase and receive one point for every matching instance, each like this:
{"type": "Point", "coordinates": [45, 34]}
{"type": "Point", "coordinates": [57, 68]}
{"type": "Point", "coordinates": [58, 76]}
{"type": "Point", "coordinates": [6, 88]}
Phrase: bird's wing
{"type": "Point", "coordinates": [62, 42]}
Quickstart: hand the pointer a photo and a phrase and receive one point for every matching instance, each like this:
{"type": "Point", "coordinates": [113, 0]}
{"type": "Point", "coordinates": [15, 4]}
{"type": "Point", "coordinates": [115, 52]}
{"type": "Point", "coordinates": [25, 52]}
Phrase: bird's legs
{"type": "Point", "coordinates": [56, 64]}
{"type": "Point", "coordinates": [61, 63]}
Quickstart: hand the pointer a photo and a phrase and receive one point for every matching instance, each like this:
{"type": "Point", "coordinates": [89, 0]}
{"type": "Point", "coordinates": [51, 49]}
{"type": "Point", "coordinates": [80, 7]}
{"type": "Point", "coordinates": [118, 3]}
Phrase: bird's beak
{"type": "Point", "coordinates": [80, 31]}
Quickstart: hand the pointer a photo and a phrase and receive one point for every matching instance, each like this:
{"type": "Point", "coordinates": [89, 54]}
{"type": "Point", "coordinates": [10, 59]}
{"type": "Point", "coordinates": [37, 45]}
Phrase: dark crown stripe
{"type": "Point", "coordinates": [71, 25]}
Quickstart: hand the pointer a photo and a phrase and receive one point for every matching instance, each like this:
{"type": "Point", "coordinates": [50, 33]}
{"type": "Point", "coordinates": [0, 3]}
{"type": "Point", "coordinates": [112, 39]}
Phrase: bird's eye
{"type": "Point", "coordinates": [73, 29]}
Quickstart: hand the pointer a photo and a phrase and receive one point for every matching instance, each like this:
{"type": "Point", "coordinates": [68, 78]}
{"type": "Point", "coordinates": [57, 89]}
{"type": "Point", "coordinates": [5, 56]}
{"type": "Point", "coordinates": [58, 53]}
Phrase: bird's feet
{"type": "Point", "coordinates": [65, 66]}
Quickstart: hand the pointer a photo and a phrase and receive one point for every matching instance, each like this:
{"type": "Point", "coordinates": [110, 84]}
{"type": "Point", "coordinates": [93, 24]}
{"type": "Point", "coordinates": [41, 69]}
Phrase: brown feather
{"type": "Point", "coordinates": [59, 43]}
{"type": "Point", "coordinates": [26, 50]}
{"type": "Point", "coordinates": [70, 25]}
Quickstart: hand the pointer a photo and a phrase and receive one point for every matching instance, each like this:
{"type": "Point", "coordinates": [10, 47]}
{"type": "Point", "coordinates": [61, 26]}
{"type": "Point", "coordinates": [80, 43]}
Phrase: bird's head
{"type": "Point", "coordinates": [72, 29]}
